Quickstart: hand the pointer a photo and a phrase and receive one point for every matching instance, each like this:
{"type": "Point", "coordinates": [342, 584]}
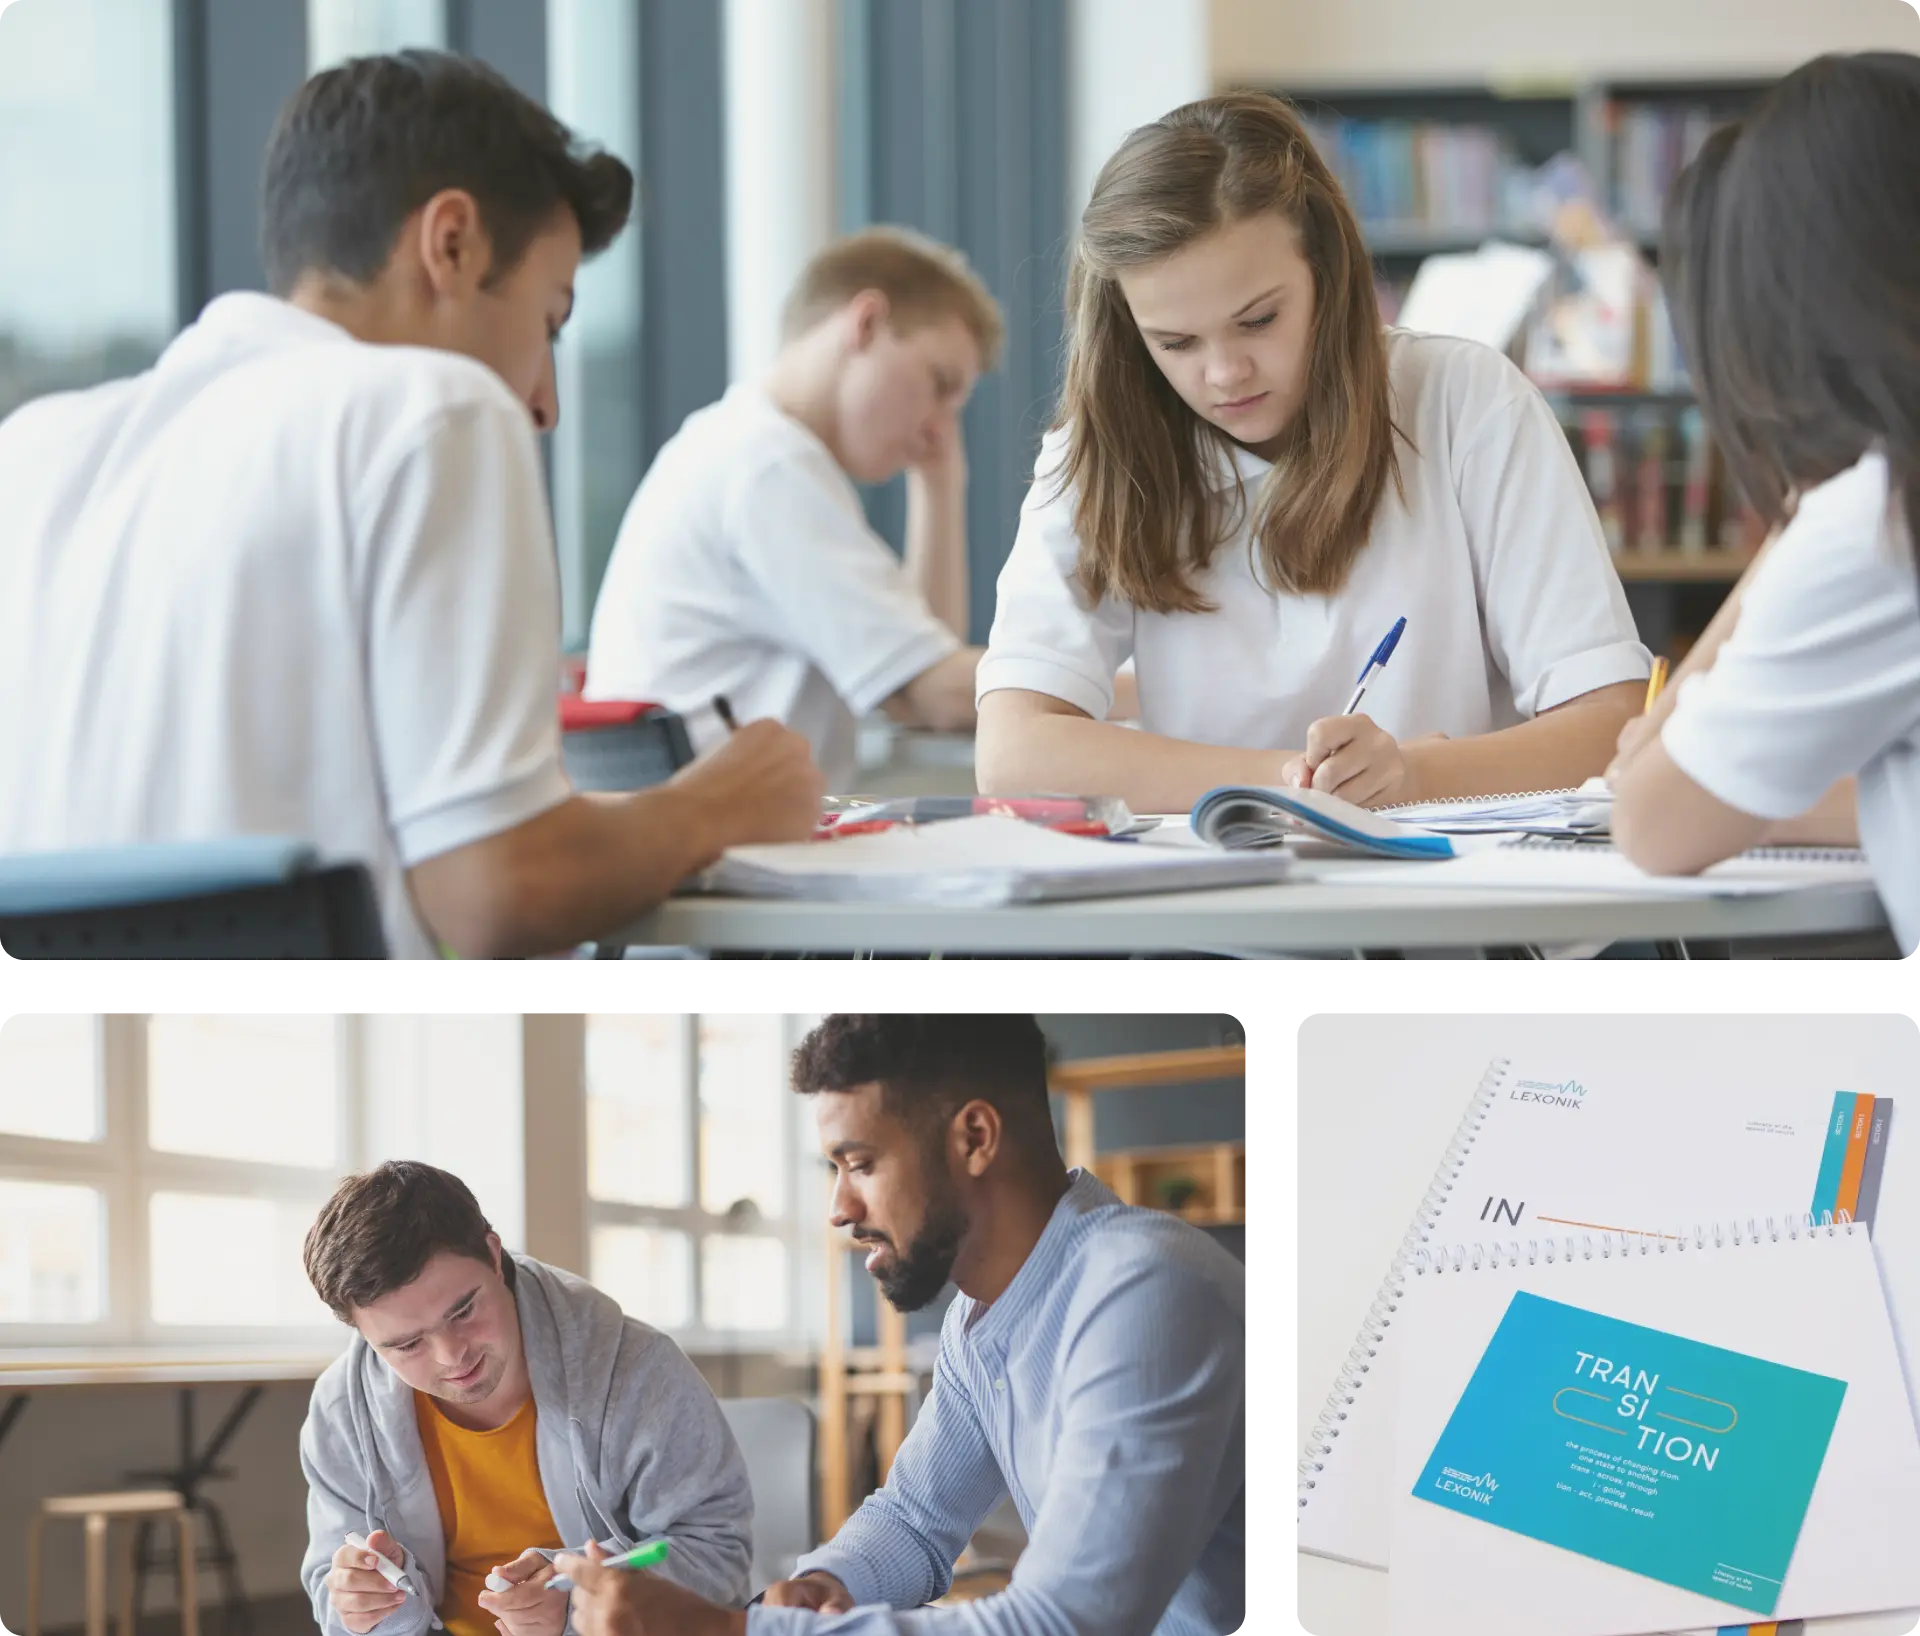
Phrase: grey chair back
{"type": "Point", "coordinates": [776, 1434]}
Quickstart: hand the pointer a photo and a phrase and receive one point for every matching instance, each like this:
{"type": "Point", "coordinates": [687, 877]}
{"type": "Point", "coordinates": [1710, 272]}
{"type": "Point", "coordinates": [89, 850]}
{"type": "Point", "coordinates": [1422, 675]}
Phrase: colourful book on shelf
{"type": "Point", "coordinates": [1597, 431]}
{"type": "Point", "coordinates": [1650, 498]}
{"type": "Point", "coordinates": [1696, 485]}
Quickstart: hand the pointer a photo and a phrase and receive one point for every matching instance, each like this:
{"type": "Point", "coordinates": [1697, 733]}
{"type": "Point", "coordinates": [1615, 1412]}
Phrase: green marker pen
{"type": "Point", "coordinates": [647, 1556]}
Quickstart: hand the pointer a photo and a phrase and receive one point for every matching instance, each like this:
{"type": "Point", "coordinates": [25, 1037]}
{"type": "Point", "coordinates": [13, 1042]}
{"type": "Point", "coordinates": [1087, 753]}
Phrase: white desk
{"type": "Point", "coordinates": [1314, 914]}
{"type": "Point", "coordinates": [1413, 1076]}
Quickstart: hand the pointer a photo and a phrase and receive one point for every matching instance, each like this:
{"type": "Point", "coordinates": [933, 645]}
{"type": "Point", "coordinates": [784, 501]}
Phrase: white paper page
{"type": "Point", "coordinates": [981, 860]}
{"type": "Point", "coordinates": [1592, 867]}
{"type": "Point", "coordinates": [1643, 1146]}
{"type": "Point", "coordinates": [1811, 1304]}
{"type": "Point", "coordinates": [1590, 807]}
{"type": "Point", "coordinates": [1484, 296]}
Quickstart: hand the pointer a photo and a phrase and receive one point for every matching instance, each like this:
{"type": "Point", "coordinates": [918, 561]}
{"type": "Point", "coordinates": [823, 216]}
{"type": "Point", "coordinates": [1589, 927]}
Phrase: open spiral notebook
{"type": "Point", "coordinates": [1587, 810]}
{"type": "Point", "coordinates": [1615, 1433]}
{"type": "Point", "coordinates": [1550, 1148]}
{"type": "Point", "coordinates": [1548, 863]}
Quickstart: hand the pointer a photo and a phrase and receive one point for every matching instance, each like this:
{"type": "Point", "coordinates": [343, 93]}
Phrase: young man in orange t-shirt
{"type": "Point", "coordinates": [489, 1411]}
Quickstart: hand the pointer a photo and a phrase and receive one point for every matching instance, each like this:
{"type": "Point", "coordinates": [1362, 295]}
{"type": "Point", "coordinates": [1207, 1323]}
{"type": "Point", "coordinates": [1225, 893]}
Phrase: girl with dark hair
{"type": "Point", "coordinates": [1792, 261]}
{"type": "Point", "coordinates": [1250, 480]}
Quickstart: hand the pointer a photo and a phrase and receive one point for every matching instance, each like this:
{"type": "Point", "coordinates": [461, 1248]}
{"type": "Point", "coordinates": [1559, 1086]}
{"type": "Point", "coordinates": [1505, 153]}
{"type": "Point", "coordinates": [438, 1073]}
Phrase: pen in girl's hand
{"type": "Point", "coordinates": [1377, 663]}
{"type": "Point", "coordinates": [725, 712]}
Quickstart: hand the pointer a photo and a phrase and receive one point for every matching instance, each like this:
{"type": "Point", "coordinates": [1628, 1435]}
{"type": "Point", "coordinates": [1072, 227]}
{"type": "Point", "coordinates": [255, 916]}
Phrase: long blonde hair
{"type": "Point", "coordinates": [1148, 515]}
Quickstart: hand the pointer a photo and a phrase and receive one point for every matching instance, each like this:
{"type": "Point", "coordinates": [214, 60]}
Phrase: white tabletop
{"type": "Point", "coordinates": [1414, 1075]}
{"type": "Point", "coordinates": [1313, 914]}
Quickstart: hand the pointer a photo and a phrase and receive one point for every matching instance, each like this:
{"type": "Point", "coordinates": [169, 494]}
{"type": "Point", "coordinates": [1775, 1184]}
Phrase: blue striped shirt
{"type": "Point", "coordinates": [1106, 1392]}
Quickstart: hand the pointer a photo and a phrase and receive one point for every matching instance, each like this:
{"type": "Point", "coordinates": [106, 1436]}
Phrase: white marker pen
{"type": "Point", "coordinates": [394, 1576]}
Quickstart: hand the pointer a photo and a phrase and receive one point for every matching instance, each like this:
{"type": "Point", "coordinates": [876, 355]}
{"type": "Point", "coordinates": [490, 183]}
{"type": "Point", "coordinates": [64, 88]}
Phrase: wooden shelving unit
{"type": "Point", "coordinates": [851, 1373]}
{"type": "Point", "coordinates": [1720, 567]}
{"type": "Point", "coordinates": [1219, 1171]}
{"type": "Point", "coordinates": [1077, 1083]}
{"type": "Point", "coordinates": [1204, 1182]}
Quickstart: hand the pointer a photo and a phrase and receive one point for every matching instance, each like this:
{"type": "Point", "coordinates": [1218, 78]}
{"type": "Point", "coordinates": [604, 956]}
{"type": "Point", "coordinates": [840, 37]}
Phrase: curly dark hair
{"type": "Point", "coordinates": [928, 1066]}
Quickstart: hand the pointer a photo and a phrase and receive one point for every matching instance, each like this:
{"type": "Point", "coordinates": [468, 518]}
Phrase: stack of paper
{"type": "Point", "coordinates": [1587, 810]}
{"type": "Point", "coordinates": [1533, 863]}
{"type": "Point", "coordinates": [977, 863]}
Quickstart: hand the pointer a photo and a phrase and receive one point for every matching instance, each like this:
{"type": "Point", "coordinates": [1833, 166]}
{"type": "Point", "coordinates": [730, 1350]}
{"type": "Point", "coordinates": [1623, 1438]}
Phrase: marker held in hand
{"type": "Point", "coordinates": [644, 1556]}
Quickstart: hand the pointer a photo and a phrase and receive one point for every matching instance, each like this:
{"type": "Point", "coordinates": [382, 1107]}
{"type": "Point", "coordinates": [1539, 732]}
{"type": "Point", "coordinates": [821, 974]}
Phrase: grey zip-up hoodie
{"type": "Point", "coordinates": [631, 1443]}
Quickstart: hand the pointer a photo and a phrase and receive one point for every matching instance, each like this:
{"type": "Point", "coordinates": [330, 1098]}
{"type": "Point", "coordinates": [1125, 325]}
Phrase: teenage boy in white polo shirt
{"type": "Point", "coordinates": [746, 566]}
{"type": "Point", "coordinates": [299, 578]}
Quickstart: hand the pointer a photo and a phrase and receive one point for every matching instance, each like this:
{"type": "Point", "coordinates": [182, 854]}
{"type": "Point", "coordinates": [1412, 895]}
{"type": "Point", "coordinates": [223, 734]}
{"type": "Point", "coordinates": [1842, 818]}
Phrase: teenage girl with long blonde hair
{"type": "Point", "coordinates": [1250, 479]}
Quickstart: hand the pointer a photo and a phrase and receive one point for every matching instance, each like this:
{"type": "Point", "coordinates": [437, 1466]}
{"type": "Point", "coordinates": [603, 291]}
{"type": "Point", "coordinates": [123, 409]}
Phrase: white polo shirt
{"type": "Point", "coordinates": [1495, 557]}
{"type": "Point", "coordinates": [746, 567]}
{"type": "Point", "coordinates": [1821, 679]}
{"type": "Point", "coordinates": [283, 583]}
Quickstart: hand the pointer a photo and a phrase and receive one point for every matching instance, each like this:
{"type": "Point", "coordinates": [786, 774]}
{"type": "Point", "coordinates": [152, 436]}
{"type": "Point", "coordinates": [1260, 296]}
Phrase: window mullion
{"type": "Point", "coordinates": [351, 1114]}
{"type": "Point", "coordinates": [690, 1086]}
{"type": "Point", "coordinates": [125, 1056]}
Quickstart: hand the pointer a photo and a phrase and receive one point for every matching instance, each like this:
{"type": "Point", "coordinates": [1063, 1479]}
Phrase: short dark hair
{"type": "Point", "coordinates": [1791, 260]}
{"type": "Point", "coordinates": [378, 1232]}
{"type": "Point", "coordinates": [362, 146]}
{"type": "Point", "coordinates": [929, 1066]}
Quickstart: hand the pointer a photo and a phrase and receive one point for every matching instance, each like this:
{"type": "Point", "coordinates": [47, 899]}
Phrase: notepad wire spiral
{"type": "Point", "coordinates": [1352, 1377]}
{"type": "Point", "coordinates": [1470, 800]}
{"type": "Point", "coordinates": [1623, 1244]}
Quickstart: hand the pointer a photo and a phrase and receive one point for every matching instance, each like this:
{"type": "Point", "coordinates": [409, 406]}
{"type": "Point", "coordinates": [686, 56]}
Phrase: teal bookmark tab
{"type": "Point", "coordinates": [1833, 1160]}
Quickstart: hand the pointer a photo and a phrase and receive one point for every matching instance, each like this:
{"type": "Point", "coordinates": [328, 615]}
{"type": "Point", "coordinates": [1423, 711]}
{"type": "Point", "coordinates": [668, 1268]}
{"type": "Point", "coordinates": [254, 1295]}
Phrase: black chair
{"type": "Point", "coordinates": [615, 745]}
{"type": "Point", "coordinates": [252, 898]}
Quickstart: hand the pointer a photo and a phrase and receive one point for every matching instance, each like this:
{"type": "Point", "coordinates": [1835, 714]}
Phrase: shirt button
{"type": "Point", "coordinates": [1000, 1385]}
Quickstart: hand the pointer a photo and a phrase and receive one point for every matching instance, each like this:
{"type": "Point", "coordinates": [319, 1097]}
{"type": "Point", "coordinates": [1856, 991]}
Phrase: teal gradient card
{"type": "Point", "coordinates": [1684, 1462]}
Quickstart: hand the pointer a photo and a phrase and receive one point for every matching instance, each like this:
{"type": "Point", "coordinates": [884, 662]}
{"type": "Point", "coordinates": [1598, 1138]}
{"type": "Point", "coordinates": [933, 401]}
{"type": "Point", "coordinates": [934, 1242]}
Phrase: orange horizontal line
{"type": "Point", "coordinates": [1601, 1227]}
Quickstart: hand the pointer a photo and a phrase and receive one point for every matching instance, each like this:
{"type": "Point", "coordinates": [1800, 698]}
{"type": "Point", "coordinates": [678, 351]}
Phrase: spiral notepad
{"type": "Point", "coordinates": [1534, 1538]}
{"type": "Point", "coordinates": [1605, 1144]}
{"type": "Point", "coordinates": [1565, 863]}
{"type": "Point", "coordinates": [1582, 811]}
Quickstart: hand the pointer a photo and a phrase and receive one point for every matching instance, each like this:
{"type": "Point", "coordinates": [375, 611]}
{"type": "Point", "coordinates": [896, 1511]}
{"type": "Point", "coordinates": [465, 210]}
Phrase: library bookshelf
{"type": "Point", "coordinates": [1442, 168]}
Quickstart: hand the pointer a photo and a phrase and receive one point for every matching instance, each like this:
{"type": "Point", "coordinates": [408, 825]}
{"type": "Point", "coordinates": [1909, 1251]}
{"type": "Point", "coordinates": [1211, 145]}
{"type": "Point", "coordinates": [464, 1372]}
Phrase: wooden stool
{"type": "Point", "coordinates": [97, 1512]}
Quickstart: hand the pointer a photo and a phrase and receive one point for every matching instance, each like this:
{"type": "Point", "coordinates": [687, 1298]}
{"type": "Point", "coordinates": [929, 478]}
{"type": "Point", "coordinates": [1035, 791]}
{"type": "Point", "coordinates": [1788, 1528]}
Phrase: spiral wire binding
{"type": "Point", "coordinates": [1623, 1244]}
{"type": "Point", "coordinates": [1770, 854]}
{"type": "Point", "coordinates": [1386, 1301]}
{"type": "Point", "coordinates": [1468, 800]}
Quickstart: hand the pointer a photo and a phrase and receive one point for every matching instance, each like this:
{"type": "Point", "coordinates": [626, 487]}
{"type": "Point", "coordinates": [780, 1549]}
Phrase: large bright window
{"type": "Point", "coordinates": [157, 1175]}
{"type": "Point", "coordinates": [86, 114]}
{"type": "Point", "coordinates": [339, 29]}
{"type": "Point", "coordinates": [593, 83]}
{"type": "Point", "coordinates": [694, 1150]}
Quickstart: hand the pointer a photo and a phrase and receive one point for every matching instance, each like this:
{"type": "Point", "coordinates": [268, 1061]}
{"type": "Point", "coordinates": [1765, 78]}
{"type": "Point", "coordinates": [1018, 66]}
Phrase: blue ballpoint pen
{"type": "Point", "coordinates": [1376, 664]}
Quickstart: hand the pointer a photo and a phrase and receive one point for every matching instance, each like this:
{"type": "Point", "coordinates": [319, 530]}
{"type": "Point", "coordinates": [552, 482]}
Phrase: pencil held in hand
{"type": "Point", "coordinates": [1655, 682]}
{"type": "Point", "coordinates": [724, 711]}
